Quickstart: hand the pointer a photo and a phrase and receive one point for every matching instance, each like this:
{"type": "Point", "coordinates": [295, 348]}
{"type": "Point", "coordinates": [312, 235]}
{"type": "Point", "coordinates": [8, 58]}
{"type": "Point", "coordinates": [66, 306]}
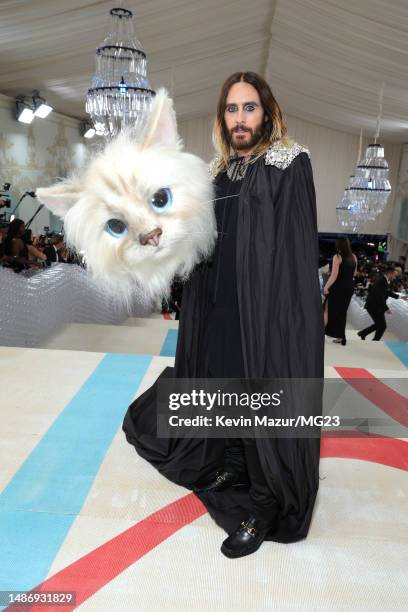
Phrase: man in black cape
{"type": "Point", "coordinates": [252, 312]}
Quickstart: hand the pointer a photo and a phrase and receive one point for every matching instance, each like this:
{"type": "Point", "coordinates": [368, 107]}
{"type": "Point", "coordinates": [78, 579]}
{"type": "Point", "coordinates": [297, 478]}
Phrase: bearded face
{"type": "Point", "coordinates": [244, 117]}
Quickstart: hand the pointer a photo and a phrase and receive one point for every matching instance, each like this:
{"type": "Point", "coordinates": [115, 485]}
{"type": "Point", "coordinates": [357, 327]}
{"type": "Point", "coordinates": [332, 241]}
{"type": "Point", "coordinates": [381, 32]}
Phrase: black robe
{"type": "Point", "coordinates": [282, 334]}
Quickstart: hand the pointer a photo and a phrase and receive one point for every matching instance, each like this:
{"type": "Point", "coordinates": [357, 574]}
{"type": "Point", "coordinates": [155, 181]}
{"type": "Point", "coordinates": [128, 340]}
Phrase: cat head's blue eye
{"type": "Point", "coordinates": [162, 200]}
{"type": "Point", "coordinates": [116, 228]}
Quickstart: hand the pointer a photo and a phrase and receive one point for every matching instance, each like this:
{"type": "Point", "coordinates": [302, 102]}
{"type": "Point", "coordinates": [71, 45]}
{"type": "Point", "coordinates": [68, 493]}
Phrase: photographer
{"type": "Point", "coordinates": [5, 201]}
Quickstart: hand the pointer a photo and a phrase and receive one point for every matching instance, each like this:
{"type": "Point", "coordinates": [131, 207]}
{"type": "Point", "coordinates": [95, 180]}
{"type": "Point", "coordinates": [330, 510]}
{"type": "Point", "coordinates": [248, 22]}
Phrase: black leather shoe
{"type": "Point", "coordinates": [246, 539]}
{"type": "Point", "coordinates": [361, 335]}
{"type": "Point", "coordinates": [222, 481]}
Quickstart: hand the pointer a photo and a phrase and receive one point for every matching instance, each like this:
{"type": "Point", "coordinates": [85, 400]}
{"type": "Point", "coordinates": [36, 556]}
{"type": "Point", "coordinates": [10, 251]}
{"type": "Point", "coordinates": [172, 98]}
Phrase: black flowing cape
{"type": "Point", "coordinates": [282, 332]}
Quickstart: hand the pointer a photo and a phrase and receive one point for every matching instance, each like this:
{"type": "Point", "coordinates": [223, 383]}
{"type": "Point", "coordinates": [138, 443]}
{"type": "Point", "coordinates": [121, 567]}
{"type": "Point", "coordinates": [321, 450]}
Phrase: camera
{"type": "Point", "coordinates": [5, 200]}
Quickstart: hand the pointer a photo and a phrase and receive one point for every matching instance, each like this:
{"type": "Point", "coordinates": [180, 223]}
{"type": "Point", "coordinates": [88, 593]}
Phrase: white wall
{"type": "Point", "coordinates": [35, 155]}
{"type": "Point", "coordinates": [334, 155]}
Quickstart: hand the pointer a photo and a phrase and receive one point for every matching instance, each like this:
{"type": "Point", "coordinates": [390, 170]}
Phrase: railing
{"type": "Point", "coordinates": [34, 305]}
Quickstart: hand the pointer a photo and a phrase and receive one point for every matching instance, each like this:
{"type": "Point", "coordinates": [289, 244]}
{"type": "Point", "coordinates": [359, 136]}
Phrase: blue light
{"type": "Point", "coordinates": [122, 86]}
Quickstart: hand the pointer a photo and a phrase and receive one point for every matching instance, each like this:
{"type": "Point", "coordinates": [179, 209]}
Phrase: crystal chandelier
{"type": "Point", "coordinates": [371, 183]}
{"type": "Point", "coordinates": [352, 214]}
{"type": "Point", "coordinates": [120, 92]}
{"type": "Point", "coordinates": [369, 189]}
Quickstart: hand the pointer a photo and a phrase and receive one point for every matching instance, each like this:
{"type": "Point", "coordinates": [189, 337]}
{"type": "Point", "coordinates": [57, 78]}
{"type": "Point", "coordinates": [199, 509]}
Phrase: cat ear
{"type": "Point", "coordinates": [60, 197]}
{"type": "Point", "coordinates": [161, 125]}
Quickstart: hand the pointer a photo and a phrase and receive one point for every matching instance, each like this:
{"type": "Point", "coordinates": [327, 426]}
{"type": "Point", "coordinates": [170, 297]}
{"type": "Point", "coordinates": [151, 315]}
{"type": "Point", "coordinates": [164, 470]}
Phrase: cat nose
{"type": "Point", "coordinates": [151, 238]}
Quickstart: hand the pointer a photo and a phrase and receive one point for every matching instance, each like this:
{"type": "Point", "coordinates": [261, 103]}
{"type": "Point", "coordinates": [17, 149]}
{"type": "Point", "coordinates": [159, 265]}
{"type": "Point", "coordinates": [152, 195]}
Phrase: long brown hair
{"type": "Point", "coordinates": [343, 247]}
{"type": "Point", "coordinates": [274, 126]}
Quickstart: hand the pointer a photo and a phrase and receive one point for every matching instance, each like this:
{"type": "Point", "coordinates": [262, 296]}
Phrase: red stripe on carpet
{"type": "Point", "coordinates": [96, 569]}
{"type": "Point", "coordinates": [93, 571]}
{"type": "Point", "coordinates": [366, 447]}
{"type": "Point", "coordinates": [391, 402]}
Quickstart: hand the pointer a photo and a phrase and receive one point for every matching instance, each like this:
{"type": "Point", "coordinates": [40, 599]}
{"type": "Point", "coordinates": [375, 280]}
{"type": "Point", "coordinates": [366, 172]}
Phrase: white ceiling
{"type": "Point", "coordinates": [328, 59]}
{"type": "Point", "coordinates": [325, 59]}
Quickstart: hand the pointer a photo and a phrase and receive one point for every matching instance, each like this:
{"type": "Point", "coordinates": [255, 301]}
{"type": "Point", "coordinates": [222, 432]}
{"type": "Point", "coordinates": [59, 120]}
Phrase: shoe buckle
{"type": "Point", "coordinates": [250, 530]}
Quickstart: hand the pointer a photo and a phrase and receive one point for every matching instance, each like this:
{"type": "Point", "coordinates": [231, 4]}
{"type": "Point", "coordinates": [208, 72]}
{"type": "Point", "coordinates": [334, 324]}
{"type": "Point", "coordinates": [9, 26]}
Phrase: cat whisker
{"type": "Point", "coordinates": [222, 198]}
{"type": "Point", "coordinates": [174, 241]}
{"type": "Point", "coordinates": [191, 235]}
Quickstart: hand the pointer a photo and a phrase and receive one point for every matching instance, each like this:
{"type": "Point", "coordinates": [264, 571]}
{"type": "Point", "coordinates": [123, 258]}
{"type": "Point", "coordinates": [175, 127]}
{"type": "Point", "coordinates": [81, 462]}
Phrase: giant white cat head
{"type": "Point", "coordinates": [142, 211]}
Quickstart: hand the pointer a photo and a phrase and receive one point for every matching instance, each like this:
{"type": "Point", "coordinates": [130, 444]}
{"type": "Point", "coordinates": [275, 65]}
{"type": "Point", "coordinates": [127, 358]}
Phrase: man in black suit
{"type": "Point", "coordinates": [376, 303]}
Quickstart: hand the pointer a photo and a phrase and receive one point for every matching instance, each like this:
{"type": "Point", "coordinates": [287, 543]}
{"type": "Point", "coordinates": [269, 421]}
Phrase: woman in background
{"type": "Point", "coordinates": [34, 254]}
{"type": "Point", "coordinates": [339, 290]}
{"type": "Point", "coordinates": [16, 249]}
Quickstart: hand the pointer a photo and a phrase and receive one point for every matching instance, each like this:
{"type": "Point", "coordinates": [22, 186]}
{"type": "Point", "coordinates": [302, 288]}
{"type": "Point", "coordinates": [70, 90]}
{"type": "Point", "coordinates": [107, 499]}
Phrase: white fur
{"type": "Point", "coordinates": [135, 169]}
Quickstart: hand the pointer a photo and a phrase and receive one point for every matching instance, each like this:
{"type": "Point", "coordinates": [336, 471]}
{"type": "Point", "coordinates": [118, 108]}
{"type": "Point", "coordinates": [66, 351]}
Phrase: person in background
{"type": "Point", "coordinates": [15, 250]}
{"type": "Point", "coordinates": [339, 290]}
{"type": "Point", "coordinates": [52, 250]}
{"type": "Point", "coordinates": [34, 254]}
{"type": "Point", "coordinates": [360, 278]}
{"type": "Point", "coordinates": [13, 244]}
{"type": "Point", "coordinates": [3, 235]}
{"type": "Point", "coordinates": [376, 304]}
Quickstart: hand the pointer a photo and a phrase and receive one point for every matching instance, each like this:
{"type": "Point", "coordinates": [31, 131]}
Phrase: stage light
{"type": "Point", "coordinates": [87, 130]}
{"type": "Point", "coordinates": [43, 111]}
{"type": "Point", "coordinates": [90, 133]}
{"type": "Point", "coordinates": [26, 115]}
{"type": "Point", "coordinates": [41, 108]}
{"type": "Point", "coordinates": [24, 112]}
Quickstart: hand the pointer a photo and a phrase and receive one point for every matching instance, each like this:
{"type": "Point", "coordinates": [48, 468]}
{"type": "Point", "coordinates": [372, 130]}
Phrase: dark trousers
{"type": "Point", "coordinates": [241, 455]}
{"type": "Point", "coordinates": [379, 325]}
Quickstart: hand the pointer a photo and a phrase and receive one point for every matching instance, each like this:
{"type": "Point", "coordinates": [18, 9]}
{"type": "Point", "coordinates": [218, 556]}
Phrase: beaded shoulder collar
{"type": "Point", "coordinates": [280, 154]}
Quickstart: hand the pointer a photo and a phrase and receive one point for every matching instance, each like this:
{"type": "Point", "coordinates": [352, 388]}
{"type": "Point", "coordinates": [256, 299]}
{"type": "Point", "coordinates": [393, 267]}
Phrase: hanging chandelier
{"type": "Point", "coordinates": [371, 183]}
{"type": "Point", "coordinates": [369, 188]}
{"type": "Point", "coordinates": [352, 214]}
{"type": "Point", "coordinates": [120, 92]}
